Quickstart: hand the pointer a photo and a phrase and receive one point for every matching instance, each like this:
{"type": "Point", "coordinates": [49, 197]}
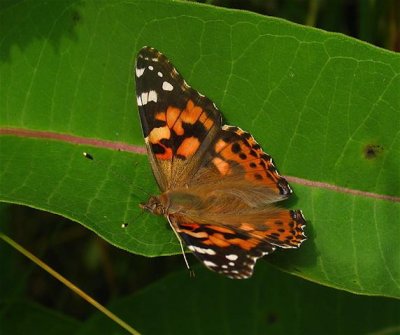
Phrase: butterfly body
{"type": "Point", "coordinates": [218, 187]}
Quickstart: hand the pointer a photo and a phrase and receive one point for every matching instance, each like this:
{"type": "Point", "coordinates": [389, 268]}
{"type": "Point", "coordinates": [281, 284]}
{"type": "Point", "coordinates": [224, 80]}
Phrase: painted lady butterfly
{"type": "Point", "coordinates": [218, 186]}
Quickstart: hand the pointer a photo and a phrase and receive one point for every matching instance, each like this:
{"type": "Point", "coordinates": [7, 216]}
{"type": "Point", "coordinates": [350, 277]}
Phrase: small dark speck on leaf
{"type": "Point", "coordinates": [271, 318]}
{"type": "Point", "coordinates": [88, 156]}
{"type": "Point", "coordinates": [371, 151]}
{"type": "Point", "coordinates": [76, 17]}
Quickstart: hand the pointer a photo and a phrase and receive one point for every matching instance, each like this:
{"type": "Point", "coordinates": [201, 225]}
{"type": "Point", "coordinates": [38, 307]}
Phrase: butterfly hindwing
{"type": "Point", "coordinates": [222, 249]}
{"type": "Point", "coordinates": [232, 247]}
{"type": "Point", "coordinates": [235, 153]}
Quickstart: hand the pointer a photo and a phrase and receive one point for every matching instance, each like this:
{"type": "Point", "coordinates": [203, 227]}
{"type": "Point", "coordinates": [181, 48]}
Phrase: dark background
{"type": "Point", "coordinates": [102, 270]}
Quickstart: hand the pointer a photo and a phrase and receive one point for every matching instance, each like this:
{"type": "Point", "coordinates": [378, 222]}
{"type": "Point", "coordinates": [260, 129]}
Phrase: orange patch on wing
{"type": "Point", "coordinates": [222, 166]}
{"type": "Point", "coordinates": [191, 226]}
{"type": "Point", "coordinates": [166, 155]}
{"type": "Point", "coordinates": [201, 234]}
{"type": "Point", "coordinates": [155, 137]}
{"type": "Point", "coordinates": [246, 227]}
{"type": "Point", "coordinates": [218, 240]}
{"type": "Point", "coordinates": [226, 152]}
{"type": "Point", "coordinates": [188, 146]}
{"type": "Point", "coordinates": [178, 128]}
{"type": "Point", "coordinates": [191, 113]}
{"type": "Point", "coordinates": [245, 156]}
{"type": "Point", "coordinates": [285, 230]}
{"type": "Point", "coordinates": [220, 145]}
{"type": "Point", "coordinates": [207, 122]}
{"type": "Point", "coordinates": [175, 117]}
{"type": "Point", "coordinates": [221, 229]}
{"type": "Point", "coordinates": [161, 116]}
{"type": "Point", "coordinates": [245, 244]}
{"type": "Point", "coordinates": [173, 121]}
{"type": "Point", "coordinates": [158, 134]}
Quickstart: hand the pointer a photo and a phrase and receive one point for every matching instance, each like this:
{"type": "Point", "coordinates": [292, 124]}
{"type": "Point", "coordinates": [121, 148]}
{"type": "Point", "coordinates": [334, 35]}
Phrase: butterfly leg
{"type": "Point", "coordinates": [180, 242]}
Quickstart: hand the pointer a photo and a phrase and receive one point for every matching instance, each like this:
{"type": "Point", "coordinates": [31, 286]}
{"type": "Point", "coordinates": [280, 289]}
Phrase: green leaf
{"type": "Point", "coordinates": [325, 106]}
{"type": "Point", "coordinates": [21, 317]}
{"type": "Point", "coordinates": [269, 303]}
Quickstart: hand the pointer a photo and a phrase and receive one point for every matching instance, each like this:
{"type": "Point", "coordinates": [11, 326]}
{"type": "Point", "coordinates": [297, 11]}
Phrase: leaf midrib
{"type": "Point", "coordinates": [121, 146]}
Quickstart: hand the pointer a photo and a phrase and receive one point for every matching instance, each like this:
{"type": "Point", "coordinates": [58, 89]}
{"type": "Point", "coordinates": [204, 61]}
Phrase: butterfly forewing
{"type": "Point", "coordinates": [178, 123]}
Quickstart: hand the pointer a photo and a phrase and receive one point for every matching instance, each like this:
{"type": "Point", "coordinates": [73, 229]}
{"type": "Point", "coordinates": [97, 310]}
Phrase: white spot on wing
{"type": "Point", "coordinates": [231, 264]}
{"type": "Point", "coordinates": [210, 251]}
{"type": "Point", "coordinates": [166, 86]}
{"type": "Point", "coordinates": [144, 98]}
{"type": "Point", "coordinates": [160, 74]}
{"type": "Point", "coordinates": [203, 251]}
{"type": "Point", "coordinates": [232, 257]}
{"type": "Point", "coordinates": [151, 68]}
{"type": "Point", "coordinates": [211, 264]}
{"type": "Point", "coordinates": [139, 72]}
{"type": "Point", "coordinates": [152, 96]}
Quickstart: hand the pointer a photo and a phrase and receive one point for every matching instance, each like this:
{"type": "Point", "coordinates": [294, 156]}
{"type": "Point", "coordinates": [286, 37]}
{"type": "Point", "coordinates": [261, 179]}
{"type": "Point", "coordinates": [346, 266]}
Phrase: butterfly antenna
{"type": "Point", "coordinates": [125, 180]}
{"type": "Point", "coordinates": [181, 244]}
